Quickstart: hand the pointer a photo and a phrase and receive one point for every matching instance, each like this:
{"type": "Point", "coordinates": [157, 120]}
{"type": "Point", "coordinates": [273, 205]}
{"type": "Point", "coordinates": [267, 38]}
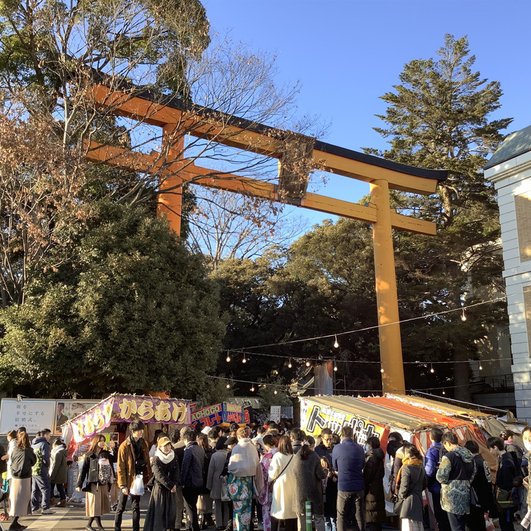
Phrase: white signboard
{"type": "Point", "coordinates": [34, 415]}
{"type": "Point", "coordinates": [274, 413]}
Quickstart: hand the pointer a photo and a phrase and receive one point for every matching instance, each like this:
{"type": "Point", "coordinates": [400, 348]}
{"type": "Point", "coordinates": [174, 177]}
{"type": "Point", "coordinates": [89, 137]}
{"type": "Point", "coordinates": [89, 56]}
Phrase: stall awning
{"type": "Point", "coordinates": [126, 408]}
{"type": "Point", "coordinates": [433, 417]}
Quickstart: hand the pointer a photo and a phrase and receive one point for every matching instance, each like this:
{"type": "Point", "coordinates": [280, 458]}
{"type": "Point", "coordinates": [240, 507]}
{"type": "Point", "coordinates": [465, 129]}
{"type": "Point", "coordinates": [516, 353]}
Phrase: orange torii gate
{"type": "Point", "coordinates": [298, 156]}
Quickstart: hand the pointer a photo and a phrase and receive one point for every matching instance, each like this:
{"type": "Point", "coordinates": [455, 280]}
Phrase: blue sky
{"type": "Point", "coordinates": [346, 54]}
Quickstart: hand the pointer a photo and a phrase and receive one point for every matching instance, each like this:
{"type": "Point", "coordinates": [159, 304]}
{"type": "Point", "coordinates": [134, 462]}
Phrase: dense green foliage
{"type": "Point", "coordinates": [130, 310]}
{"type": "Point", "coordinates": [438, 117]}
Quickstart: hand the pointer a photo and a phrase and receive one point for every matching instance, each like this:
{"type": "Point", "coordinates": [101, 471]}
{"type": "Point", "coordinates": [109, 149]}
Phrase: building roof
{"type": "Point", "coordinates": [515, 144]}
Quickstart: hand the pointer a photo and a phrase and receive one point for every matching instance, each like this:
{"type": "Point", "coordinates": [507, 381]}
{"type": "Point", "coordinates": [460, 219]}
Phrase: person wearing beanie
{"type": "Point", "coordinates": [162, 508]}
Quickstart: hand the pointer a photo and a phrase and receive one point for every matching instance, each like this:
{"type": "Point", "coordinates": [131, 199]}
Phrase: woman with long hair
{"type": "Point", "coordinates": [204, 501]}
{"type": "Point", "coordinates": [95, 479]}
{"type": "Point", "coordinates": [22, 460]}
{"type": "Point", "coordinates": [309, 475]}
{"type": "Point", "coordinates": [281, 474]}
{"type": "Point", "coordinates": [411, 481]}
{"type": "Point", "coordinates": [270, 446]}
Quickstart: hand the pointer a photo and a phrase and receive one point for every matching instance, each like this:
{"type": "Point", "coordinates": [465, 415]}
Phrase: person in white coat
{"type": "Point", "coordinates": [281, 473]}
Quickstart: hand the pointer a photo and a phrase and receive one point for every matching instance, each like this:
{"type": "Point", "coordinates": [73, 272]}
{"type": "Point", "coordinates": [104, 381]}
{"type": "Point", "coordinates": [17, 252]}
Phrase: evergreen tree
{"type": "Point", "coordinates": [439, 117]}
{"type": "Point", "coordinates": [129, 309]}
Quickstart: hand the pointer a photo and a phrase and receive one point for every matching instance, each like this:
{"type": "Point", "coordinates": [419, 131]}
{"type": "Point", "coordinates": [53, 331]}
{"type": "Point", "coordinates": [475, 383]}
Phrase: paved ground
{"type": "Point", "coordinates": [72, 518]}
{"type": "Point", "coordinates": [68, 518]}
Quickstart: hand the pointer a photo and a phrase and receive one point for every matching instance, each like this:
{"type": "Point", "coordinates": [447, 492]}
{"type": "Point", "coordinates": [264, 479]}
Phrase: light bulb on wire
{"type": "Point", "coordinates": [432, 370]}
{"type": "Point", "coordinates": [290, 365]}
{"type": "Point", "coordinates": [463, 315]}
{"type": "Point", "coordinates": [227, 359]}
{"type": "Point", "coordinates": [228, 386]}
{"type": "Point", "coordinates": [336, 343]}
{"type": "Point", "coordinates": [480, 366]}
{"type": "Point", "coordinates": [252, 389]}
{"type": "Point", "coordinates": [244, 360]}
{"type": "Point", "coordinates": [335, 367]}
{"type": "Point", "coordinates": [275, 392]}
{"type": "Point", "coordinates": [308, 363]}
{"type": "Point", "coordinates": [382, 370]}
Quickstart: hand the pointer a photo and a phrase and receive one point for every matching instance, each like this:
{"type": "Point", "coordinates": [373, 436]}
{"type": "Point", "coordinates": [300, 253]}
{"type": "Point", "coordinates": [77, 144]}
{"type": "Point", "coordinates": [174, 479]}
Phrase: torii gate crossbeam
{"type": "Point", "coordinates": [173, 117]}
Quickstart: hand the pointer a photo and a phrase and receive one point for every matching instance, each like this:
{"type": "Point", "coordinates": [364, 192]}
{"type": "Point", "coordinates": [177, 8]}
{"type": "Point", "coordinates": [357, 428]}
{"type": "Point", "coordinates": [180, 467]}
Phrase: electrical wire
{"type": "Point", "coordinates": [327, 336]}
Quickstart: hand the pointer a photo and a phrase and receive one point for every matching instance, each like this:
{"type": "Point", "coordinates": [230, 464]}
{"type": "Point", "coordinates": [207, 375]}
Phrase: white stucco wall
{"type": "Point", "coordinates": [513, 178]}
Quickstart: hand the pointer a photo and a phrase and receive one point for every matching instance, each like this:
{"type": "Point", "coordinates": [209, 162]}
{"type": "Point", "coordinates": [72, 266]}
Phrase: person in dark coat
{"type": "Point", "coordinates": [411, 481]}
{"type": "Point", "coordinates": [505, 476]}
{"type": "Point", "coordinates": [395, 442]}
{"type": "Point", "coordinates": [431, 465]}
{"type": "Point", "coordinates": [373, 475]}
{"type": "Point", "coordinates": [325, 448]}
{"type": "Point", "coordinates": [59, 471]}
{"type": "Point", "coordinates": [330, 495]}
{"type": "Point", "coordinates": [297, 437]}
{"type": "Point", "coordinates": [22, 460]}
{"type": "Point", "coordinates": [309, 475]}
{"type": "Point", "coordinates": [161, 513]}
{"type": "Point", "coordinates": [348, 459]}
{"type": "Point", "coordinates": [192, 474]}
{"type": "Point", "coordinates": [95, 479]}
{"type": "Point", "coordinates": [482, 485]}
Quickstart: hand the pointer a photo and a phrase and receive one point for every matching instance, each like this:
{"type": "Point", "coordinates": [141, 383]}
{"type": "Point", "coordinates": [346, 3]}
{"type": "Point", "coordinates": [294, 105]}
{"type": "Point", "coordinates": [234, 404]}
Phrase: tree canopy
{"type": "Point", "coordinates": [439, 116]}
{"type": "Point", "coordinates": [129, 309]}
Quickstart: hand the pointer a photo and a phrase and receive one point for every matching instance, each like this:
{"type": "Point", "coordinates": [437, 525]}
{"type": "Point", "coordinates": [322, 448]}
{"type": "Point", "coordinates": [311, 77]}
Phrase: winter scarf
{"type": "Point", "coordinates": [165, 458]}
{"type": "Point", "coordinates": [413, 461]}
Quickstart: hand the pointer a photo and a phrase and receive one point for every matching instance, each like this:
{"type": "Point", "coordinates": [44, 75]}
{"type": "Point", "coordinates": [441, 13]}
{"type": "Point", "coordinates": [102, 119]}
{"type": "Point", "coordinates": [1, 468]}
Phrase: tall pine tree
{"type": "Point", "coordinates": [440, 117]}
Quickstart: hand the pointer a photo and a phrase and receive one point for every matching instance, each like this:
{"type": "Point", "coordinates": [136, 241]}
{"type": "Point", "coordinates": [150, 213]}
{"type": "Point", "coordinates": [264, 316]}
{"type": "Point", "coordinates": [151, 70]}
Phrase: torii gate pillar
{"type": "Point", "coordinates": [298, 156]}
{"type": "Point", "coordinates": [170, 204]}
{"type": "Point", "coordinates": [386, 294]}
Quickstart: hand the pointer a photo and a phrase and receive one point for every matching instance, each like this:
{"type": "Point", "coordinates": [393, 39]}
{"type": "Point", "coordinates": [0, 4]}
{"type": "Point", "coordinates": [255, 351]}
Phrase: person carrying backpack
{"type": "Point", "coordinates": [41, 491]}
{"type": "Point", "coordinates": [505, 476]}
{"type": "Point", "coordinates": [431, 464]}
{"type": "Point", "coordinates": [456, 472]}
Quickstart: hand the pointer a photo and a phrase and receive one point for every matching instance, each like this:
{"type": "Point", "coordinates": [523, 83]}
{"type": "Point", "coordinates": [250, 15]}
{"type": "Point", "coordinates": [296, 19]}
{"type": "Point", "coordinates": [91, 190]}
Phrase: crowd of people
{"type": "Point", "coordinates": [227, 477]}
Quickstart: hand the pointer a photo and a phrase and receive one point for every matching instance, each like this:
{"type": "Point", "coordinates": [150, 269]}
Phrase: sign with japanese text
{"type": "Point", "coordinates": [316, 417]}
{"type": "Point", "coordinates": [274, 413]}
{"type": "Point", "coordinates": [126, 408]}
{"type": "Point", "coordinates": [219, 414]}
{"type": "Point", "coordinates": [34, 415]}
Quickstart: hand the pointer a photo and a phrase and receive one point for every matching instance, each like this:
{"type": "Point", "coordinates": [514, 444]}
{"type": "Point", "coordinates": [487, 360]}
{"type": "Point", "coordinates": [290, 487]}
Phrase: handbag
{"type": "Point", "coordinates": [474, 500]}
{"type": "Point", "coordinates": [138, 486]}
{"type": "Point", "coordinates": [503, 499]}
{"type": "Point", "coordinates": [391, 496]}
{"type": "Point", "coordinates": [224, 489]}
{"type": "Point", "coordinates": [398, 506]}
